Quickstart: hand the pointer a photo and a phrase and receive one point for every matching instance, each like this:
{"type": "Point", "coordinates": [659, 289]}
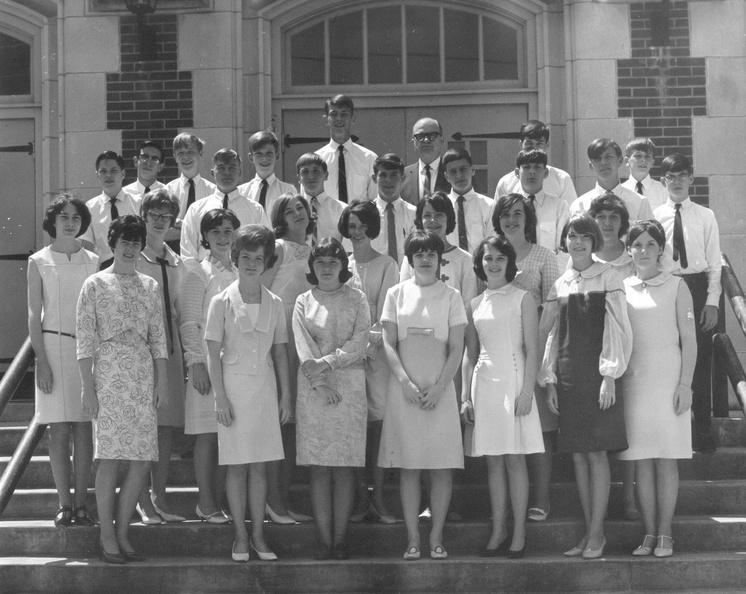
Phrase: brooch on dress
{"type": "Point", "coordinates": [689, 314]}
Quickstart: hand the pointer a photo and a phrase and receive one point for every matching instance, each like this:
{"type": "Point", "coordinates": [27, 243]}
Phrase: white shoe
{"type": "Point", "coordinates": [146, 519]}
{"type": "Point", "coordinates": [299, 517]}
{"type": "Point", "coordinates": [168, 517]}
{"type": "Point", "coordinates": [277, 519]}
{"type": "Point", "coordinates": [217, 517]}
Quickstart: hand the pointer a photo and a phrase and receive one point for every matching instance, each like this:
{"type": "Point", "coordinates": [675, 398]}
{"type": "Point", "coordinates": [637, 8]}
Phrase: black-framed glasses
{"type": "Point", "coordinates": [155, 217]}
{"type": "Point", "coordinates": [429, 136]}
{"type": "Point", "coordinates": [151, 158]}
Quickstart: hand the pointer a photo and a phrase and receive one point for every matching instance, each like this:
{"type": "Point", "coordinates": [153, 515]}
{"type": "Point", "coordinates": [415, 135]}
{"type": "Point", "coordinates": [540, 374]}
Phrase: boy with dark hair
{"type": "Point", "coordinates": [473, 210]}
{"type": "Point", "coordinates": [266, 187]}
{"type": "Point", "coordinates": [693, 237]}
{"type": "Point", "coordinates": [605, 159]}
{"type": "Point", "coordinates": [149, 163]}
{"type": "Point", "coordinates": [535, 135]}
{"type": "Point", "coordinates": [350, 165]}
{"type": "Point", "coordinates": [312, 174]}
{"type": "Point", "coordinates": [397, 216]}
{"type": "Point", "coordinates": [640, 157]}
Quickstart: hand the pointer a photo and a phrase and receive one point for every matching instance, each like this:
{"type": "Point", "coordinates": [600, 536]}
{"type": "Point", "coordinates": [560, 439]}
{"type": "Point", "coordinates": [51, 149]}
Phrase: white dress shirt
{"type": "Point", "coordinates": [98, 230]}
{"type": "Point", "coordinates": [557, 182]}
{"type": "Point", "coordinates": [652, 189]}
{"type": "Point", "coordinates": [702, 241]}
{"type": "Point", "coordinates": [552, 214]}
{"type": "Point", "coordinates": [179, 187]}
{"type": "Point", "coordinates": [328, 212]}
{"type": "Point", "coordinates": [433, 176]}
{"type": "Point", "coordinates": [137, 189]}
{"type": "Point", "coordinates": [275, 189]}
{"type": "Point", "coordinates": [358, 168]}
{"type": "Point", "coordinates": [404, 217]}
{"type": "Point", "coordinates": [248, 213]}
{"type": "Point", "coordinates": [478, 211]}
{"type": "Point", "coordinates": [637, 206]}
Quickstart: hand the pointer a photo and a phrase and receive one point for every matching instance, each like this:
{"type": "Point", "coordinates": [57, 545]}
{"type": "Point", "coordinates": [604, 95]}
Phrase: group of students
{"type": "Point", "coordinates": [385, 316]}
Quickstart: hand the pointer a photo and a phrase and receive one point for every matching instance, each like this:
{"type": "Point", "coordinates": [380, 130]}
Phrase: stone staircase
{"type": "Point", "coordinates": [709, 532]}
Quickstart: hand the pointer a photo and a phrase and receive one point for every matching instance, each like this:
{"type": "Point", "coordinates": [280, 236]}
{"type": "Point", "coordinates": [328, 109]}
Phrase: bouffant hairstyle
{"type": "Point", "coordinates": [503, 246]}
{"type": "Point", "coordinates": [652, 227]}
{"type": "Point", "coordinates": [328, 247]}
{"type": "Point", "coordinates": [423, 241]}
{"type": "Point", "coordinates": [610, 201]}
{"type": "Point", "coordinates": [128, 228]}
{"type": "Point", "coordinates": [366, 212]}
{"type": "Point", "coordinates": [440, 203]}
{"type": "Point", "coordinates": [582, 224]}
{"type": "Point", "coordinates": [158, 199]}
{"type": "Point", "coordinates": [212, 219]}
{"type": "Point", "coordinates": [253, 237]}
{"type": "Point", "coordinates": [505, 203]}
{"type": "Point", "coordinates": [59, 203]}
{"type": "Point", "coordinates": [279, 224]}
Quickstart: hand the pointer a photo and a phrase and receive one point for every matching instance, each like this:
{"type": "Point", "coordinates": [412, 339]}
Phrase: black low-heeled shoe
{"type": "Point", "coordinates": [114, 558]}
{"type": "Point", "coordinates": [516, 554]}
{"type": "Point", "coordinates": [500, 551]}
{"type": "Point", "coordinates": [64, 516]}
{"type": "Point", "coordinates": [82, 517]}
{"type": "Point", "coordinates": [132, 555]}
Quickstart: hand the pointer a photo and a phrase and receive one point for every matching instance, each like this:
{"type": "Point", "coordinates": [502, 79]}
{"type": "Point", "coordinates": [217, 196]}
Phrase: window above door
{"type": "Point", "coordinates": [15, 67]}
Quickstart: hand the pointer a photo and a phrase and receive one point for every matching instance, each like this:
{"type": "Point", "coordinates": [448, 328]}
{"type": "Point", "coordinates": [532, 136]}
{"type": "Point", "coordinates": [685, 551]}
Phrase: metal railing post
{"type": "Point", "coordinates": [12, 378]}
{"type": "Point", "coordinates": [19, 461]}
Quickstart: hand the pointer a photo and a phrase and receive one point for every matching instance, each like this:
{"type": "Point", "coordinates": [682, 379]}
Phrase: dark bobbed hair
{"type": "Point", "coordinates": [440, 203]}
{"type": "Point", "coordinates": [530, 157]}
{"type": "Point", "coordinates": [583, 224]}
{"type": "Point", "coordinates": [328, 247]}
{"type": "Point", "coordinates": [653, 227]}
{"type": "Point", "coordinates": [456, 154]}
{"type": "Point", "coordinates": [598, 147]}
{"type": "Point", "coordinates": [129, 228]}
{"type": "Point", "coordinates": [278, 214]}
{"type": "Point", "coordinates": [505, 203]}
{"type": "Point", "coordinates": [535, 130]}
{"type": "Point", "coordinates": [59, 203]}
{"type": "Point", "coordinates": [503, 246]}
{"type": "Point", "coordinates": [640, 143]}
{"type": "Point", "coordinates": [212, 219]}
{"type": "Point", "coordinates": [423, 241]}
{"type": "Point", "coordinates": [160, 198]}
{"type": "Point", "coordinates": [110, 156]}
{"type": "Point", "coordinates": [339, 101]}
{"type": "Point", "coordinates": [676, 163]}
{"type": "Point", "coordinates": [252, 237]}
{"type": "Point", "coordinates": [367, 212]}
{"type": "Point", "coordinates": [610, 201]}
{"type": "Point", "coordinates": [389, 162]}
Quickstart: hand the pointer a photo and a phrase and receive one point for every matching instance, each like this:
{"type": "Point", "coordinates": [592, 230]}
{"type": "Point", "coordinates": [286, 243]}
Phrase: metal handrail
{"type": "Point", "coordinates": [14, 375]}
{"type": "Point", "coordinates": [727, 359]}
{"type": "Point", "coordinates": [733, 291]}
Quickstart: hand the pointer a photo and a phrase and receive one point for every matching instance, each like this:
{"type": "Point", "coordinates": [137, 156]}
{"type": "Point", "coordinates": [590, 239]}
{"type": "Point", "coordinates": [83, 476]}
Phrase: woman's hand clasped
{"type": "Point", "coordinates": [331, 396]}
{"type": "Point", "coordinates": [313, 367]}
{"type": "Point", "coordinates": [432, 396]}
{"type": "Point", "coordinates": [682, 399]}
{"type": "Point", "coordinates": [411, 392]}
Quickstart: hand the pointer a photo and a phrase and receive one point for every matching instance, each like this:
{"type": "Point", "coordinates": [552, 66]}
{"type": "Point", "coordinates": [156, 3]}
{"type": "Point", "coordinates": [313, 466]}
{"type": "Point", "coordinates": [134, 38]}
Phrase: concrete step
{"type": "Point", "coordinates": [538, 574]}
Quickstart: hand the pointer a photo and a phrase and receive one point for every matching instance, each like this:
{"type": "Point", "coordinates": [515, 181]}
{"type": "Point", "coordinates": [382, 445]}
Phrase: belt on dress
{"type": "Point", "coordinates": [58, 332]}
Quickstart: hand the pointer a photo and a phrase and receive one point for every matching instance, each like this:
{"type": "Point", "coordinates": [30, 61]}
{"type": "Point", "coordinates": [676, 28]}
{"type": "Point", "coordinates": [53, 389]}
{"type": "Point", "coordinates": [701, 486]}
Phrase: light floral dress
{"type": "Point", "coordinates": [120, 325]}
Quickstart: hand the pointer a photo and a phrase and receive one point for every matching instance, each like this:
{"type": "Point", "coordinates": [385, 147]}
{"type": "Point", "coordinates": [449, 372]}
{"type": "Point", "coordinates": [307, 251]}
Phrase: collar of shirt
{"type": "Point", "coordinates": [381, 203]}
{"type": "Point", "coordinates": [348, 144]}
{"type": "Point", "coordinates": [149, 254]}
{"type": "Point", "coordinates": [120, 197]}
{"type": "Point", "coordinates": [539, 196]}
{"type": "Point", "coordinates": [232, 196]}
{"type": "Point", "coordinates": [242, 316]}
{"type": "Point", "coordinates": [470, 195]}
{"type": "Point", "coordinates": [185, 180]}
{"type": "Point", "coordinates": [684, 203]}
{"type": "Point", "coordinates": [617, 190]}
{"type": "Point", "coordinates": [433, 166]}
{"type": "Point", "coordinates": [593, 270]}
{"type": "Point", "coordinates": [270, 179]}
{"type": "Point", "coordinates": [321, 197]}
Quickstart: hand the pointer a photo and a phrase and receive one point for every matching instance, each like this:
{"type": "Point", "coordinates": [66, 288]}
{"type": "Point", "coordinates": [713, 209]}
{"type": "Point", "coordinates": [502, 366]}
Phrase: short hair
{"type": "Point", "coordinates": [310, 159]}
{"type": "Point", "coordinates": [110, 156]}
{"type": "Point", "coordinates": [212, 219]}
{"type": "Point", "coordinates": [129, 228]}
{"type": "Point", "coordinates": [597, 148]}
{"type": "Point", "coordinates": [252, 237]}
{"type": "Point", "coordinates": [456, 154]}
{"type": "Point", "coordinates": [534, 156]}
{"type": "Point", "coordinates": [339, 101]}
{"type": "Point", "coordinates": [440, 203]}
{"type": "Point", "coordinates": [328, 247]}
{"type": "Point", "coordinates": [389, 162]}
{"type": "Point", "coordinates": [653, 227]}
{"type": "Point", "coordinates": [535, 130]}
{"type": "Point", "coordinates": [503, 246]}
{"type": "Point", "coordinates": [582, 224]}
{"type": "Point", "coordinates": [610, 201]}
{"type": "Point", "coordinates": [160, 198]}
{"type": "Point", "coordinates": [423, 241]}
{"type": "Point", "coordinates": [152, 144]}
{"type": "Point", "coordinates": [262, 138]}
{"type": "Point", "coordinates": [676, 163]}
{"type": "Point", "coordinates": [367, 212]}
{"type": "Point", "coordinates": [640, 143]}
{"type": "Point", "coordinates": [185, 139]}
{"type": "Point", "coordinates": [57, 206]}
{"type": "Point", "coordinates": [505, 203]}
{"type": "Point", "coordinates": [428, 118]}
{"type": "Point", "coordinates": [226, 155]}
{"type": "Point", "coordinates": [279, 224]}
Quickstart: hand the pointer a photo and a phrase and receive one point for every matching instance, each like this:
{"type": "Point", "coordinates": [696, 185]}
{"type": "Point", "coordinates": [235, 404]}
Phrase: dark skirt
{"type": "Point", "coordinates": [583, 426]}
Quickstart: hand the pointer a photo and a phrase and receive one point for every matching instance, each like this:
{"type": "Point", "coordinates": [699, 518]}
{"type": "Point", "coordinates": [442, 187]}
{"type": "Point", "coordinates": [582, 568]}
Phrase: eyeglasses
{"type": "Point", "coordinates": [155, 217]}
{"type": "Point", "coordinates": [429, 136]}
{"type": "Point", "coordinates": [151, 158]}
{"type": "Point", "coordinates": [676, 177]}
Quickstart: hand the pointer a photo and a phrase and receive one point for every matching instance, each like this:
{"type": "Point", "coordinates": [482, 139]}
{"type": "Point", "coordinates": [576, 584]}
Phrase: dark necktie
{"type": "Point", "coordinates": [426, 186]}
{"type": "Point", "coordinates": [191, 197]}
{"type": "Point", "coordinates": [638, 189]}
{"type": "Point", "coordinates": [146, 190]}
{"type": "Point", "coordinates": [463, 242]}
{"type": "Point", "coordinates": [167, 300]}
{"type": "Point", "coordinates": [679, 247]}
{"type": "Point", "coordinates": [532, 200]}
{"type": "Point", "coordinates": [225, 201]}
{"type": "Point", "coordinates": [342, 175]}
{"type": "Point", "coordinates": [315, 213]}
{"type": "Point", "coordinates": [263, 194]}
{"type": "Point", "coordinates": [391, 232]}
{"type": "Point", "coordinates": [114, 209]}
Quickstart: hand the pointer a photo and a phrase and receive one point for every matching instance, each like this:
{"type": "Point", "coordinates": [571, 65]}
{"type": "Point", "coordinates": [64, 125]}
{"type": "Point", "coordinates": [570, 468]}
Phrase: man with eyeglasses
{"type": "Point", "coordinates": [427, 175]}
{"type": "Point", "coordinates": [149, 163]}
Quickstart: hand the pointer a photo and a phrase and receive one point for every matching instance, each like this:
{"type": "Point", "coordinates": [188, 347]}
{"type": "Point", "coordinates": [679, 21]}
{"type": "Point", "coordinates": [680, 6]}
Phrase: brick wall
{"type": "Point", "coordinates": [661, 86]}
{"type": "Point", "coordinates": [149, 100]}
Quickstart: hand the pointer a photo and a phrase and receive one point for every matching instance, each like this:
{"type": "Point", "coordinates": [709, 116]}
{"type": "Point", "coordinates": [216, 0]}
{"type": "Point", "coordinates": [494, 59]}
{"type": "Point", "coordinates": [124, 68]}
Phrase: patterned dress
{"type": "Point", "coordinates": [120, 326]}
{"type": "Point", "coordinates": [333, 326]}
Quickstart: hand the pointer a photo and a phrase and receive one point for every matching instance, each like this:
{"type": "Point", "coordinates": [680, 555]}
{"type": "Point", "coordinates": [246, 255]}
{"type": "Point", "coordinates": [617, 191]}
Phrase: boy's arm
{"type": "Point", "coordinates": [709, 317]}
